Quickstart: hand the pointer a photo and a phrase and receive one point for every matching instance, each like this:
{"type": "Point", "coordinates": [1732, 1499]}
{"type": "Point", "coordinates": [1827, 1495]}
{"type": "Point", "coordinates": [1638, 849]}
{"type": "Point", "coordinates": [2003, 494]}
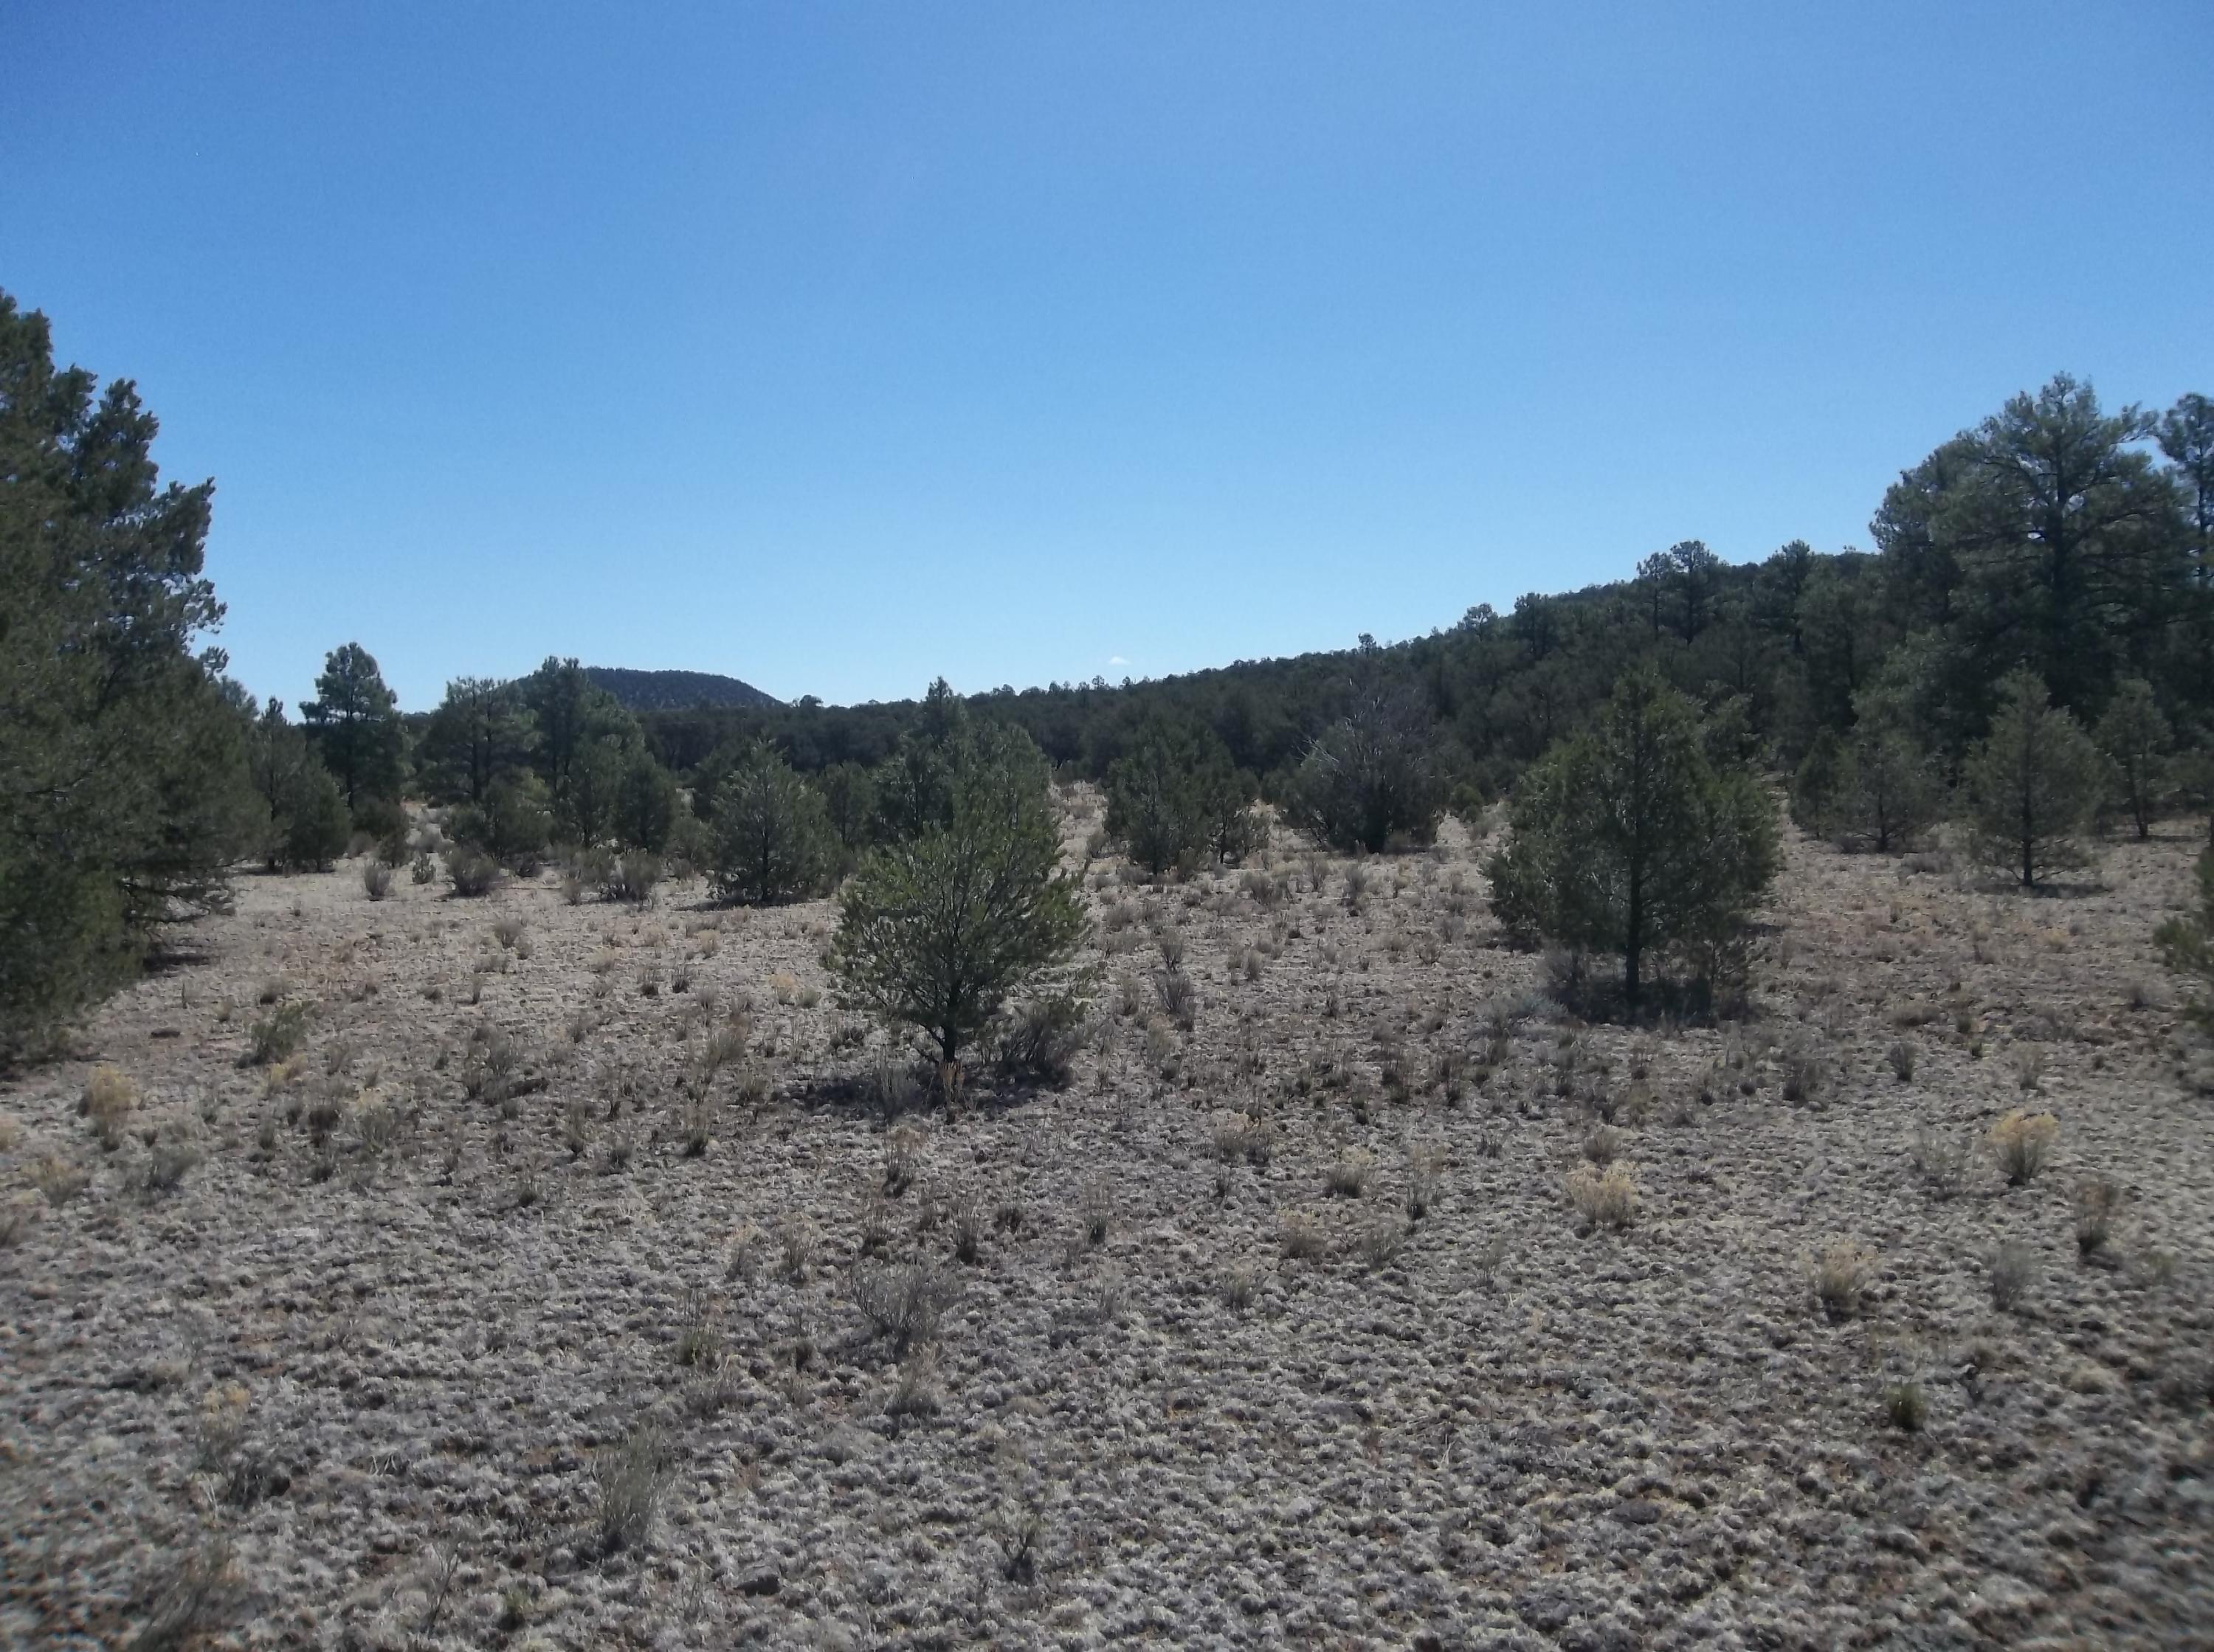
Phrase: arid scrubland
{"type": "Point", "coordinates": [524, 1270]}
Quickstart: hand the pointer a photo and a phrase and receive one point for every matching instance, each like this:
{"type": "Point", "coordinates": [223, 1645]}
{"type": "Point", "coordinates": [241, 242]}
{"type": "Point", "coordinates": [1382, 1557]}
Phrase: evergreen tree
{"type": "Point", "coordinates": [2187, 943]}
{"type": "Point", "coordinates": [123, 789]}
{"type": "Point", "coordinates": [1153, 803]}
{"type": "Point", "coordinates": [771, 833]}
{"type": "Point", "coordinates": [2138, 744]}
{"type": "Point", "coordinates": [938, 928]}
{"type": "Point", "coordinates": [2045, 533]}
{"type": "Point", "coordinates": [1372, 778]}
{"type": "Point", "coordinates": [646, 803]}
{"type": "Point", "coordinates": [480, 732]}
{"type": "Point", "coordinates": [2032, 783]}
{"type": "Point", "coordinates": [354, 723]}
{"type": "Point", "coordinates": [1626, 839]}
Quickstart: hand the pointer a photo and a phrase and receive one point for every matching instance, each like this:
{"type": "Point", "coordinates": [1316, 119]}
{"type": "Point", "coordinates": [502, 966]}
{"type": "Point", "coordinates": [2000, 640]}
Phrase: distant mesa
{"type": "Point", "coordinates": [675, 691]}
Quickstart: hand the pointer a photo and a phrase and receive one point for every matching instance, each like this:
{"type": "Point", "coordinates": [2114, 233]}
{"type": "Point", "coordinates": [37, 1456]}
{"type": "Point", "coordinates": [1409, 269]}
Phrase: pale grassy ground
{"type": "Point", "coordinates": [386, 1373]}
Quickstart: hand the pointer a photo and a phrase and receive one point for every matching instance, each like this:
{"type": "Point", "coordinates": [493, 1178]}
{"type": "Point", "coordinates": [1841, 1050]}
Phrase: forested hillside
{"type": "Point", "coordinates": [664, 691]}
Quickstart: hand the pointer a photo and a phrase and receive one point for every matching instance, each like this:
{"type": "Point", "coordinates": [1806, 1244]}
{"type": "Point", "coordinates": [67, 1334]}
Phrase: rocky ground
{"type": "Point", "coordinates": [1282, 1327]}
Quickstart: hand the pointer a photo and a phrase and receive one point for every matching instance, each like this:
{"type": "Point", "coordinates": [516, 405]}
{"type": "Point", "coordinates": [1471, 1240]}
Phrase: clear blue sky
{"type": "Point", "coordinates": [837, 346]}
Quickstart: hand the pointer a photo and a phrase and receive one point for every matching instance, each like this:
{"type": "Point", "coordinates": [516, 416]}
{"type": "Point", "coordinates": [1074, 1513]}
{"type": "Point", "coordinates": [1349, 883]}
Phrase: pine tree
{"type": "Point", "coordinates": [2138, 746]}
{"type": "Point", "coordinates": [354, 722]}
{"type": "Point", "coordinates": [123, 789]}
{"type": "Point", "coordinates": [2032, 782]}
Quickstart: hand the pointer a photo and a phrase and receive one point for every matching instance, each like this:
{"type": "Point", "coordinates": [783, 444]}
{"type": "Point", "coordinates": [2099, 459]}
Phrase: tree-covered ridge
{"type": "Point", "coordinates": [671, 691]}
{"type": "Point", "coordinates": [2054, 535]}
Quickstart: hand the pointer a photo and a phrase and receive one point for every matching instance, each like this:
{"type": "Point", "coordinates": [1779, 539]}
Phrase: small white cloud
{"type": "Point", "coordinates": [1116, 659]}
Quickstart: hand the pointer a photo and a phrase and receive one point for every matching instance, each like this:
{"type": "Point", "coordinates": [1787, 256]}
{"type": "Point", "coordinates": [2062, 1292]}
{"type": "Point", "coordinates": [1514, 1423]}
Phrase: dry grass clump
{"type": "Point", "coordinates": [1301, 1237]}
{"type": "Point", "coordinates": [630, 1477]}
{"type": "Point", "coordinates": [1378, 1240]}
{"type": "Point", "coordinates": [1426, 1171]}
{"type": "Point", "coordinates": [916, 1394]}
{"type": "Point", "coordinates": [2013, 1269]}
{"type": "Point", "coordinates": [470, 871]}
{"type": "Point", "coordinates": [904, 1304]}
{"type": "Point", "coordinates": [1095, 1210]}
{"type": "Point", "coordinates": [108, 1101]}
{"type": "Point", "coordinates": [2021, 1141]}
{"type": "Point", "coordinates": [1603, 1145]}
{"type": "Point", "coordinates": [1838, 1276]}
{"type": "Point", "coordinates": [1245, 1135]}
{"type": "Point", "coordinates": [2096, 1200]}
{"type": "Point", "coordinates": [1901, 1057]}
{"type": "Point", "coordinates": [903, 1159]}
{"type": "Point", "coordinates": [1905, 1407]}
{"type": "Point", "coordinates": [1348, 1175]}
{"type": "Point", "coordinates": [1805, 1071]}
{"type": "Point", "coordinates": [1603, 1198]}
{"type": "Point", "coordinates": [168, 1161]}
{"type": "Point", "coordinates": [375, 879]}
{"type": "Point", "coordinates": [1237, 1286]}
{"type": "Point", "coordinates": [58, 1181]}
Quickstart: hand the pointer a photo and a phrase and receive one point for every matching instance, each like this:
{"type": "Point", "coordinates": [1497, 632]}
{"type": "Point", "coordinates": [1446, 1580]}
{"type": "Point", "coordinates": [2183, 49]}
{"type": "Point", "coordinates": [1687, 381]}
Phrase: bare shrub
{"type": "Point", "coordinates": [1237, 1286]}
{"type": "Point", "coordinates": [1603, 1145]}
{"type": "Point", "coordinates": [904, 1304]}
{"type": "Point", "coordinates": [1942, 1164]}
{"type": "Point", "coordinates": [1095, 1210]}
{"type": "Point", "coordinates": [470, 871]}
{"type": "Point", "coordinates": [916, 1394]}
{"type": "Point", "coordinates": [201, 1597]}
{"type": "Point", "coordinates": [891, 1089]}
{"type": "Point", "coordinates": [1039, 1041]}
{"type": "Point", "coordinates": [1179, 997]}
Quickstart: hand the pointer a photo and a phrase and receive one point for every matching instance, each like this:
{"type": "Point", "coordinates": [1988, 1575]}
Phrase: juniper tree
{"type": "Point", "coordinates": [1372, 778]}
{"type": "Point", "coordinates": [1625, 839]}
{"type": "Point", "coordinates": [938, 927]}
{"type": "Point", "coordinates": [1153, 800]}
{"type": "Point", "coordinates": [771, 832]}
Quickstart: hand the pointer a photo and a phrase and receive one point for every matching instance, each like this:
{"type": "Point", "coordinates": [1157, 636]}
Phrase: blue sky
{"type": "Point", "coordinates": [835, 345]}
